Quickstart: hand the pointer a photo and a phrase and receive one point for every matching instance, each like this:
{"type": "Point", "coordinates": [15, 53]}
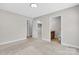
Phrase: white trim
{"type": "Point", "coordinates": [70, 45]}
{"type": "Point", "coordinates": [8, 42]}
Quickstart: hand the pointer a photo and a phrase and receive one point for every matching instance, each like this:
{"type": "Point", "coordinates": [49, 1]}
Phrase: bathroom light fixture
{"type": "Point", "coordinates": [33, 5]}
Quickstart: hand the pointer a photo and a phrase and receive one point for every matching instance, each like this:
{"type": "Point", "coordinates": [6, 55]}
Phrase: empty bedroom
{"type": "Point", "coordinates": [39, 29]}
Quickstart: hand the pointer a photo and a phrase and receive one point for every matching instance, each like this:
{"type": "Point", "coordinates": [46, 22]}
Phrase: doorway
{"type": "Point", "coordinates": [40, 31]}
{"type": "Point", "coordinates": [29, 28]}
{"type": "Point", "coordinates": [56, 29]}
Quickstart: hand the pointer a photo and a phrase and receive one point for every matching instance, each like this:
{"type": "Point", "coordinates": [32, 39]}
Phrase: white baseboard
{"type": "Point", "coordinates": [70, 45]}
{"type": "Point", "coordinates": [8, 42]}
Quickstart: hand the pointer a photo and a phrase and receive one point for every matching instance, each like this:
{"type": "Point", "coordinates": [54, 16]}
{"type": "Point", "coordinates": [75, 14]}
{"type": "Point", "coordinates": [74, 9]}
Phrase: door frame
{"type": "Point", "coordinates": [50, 23]}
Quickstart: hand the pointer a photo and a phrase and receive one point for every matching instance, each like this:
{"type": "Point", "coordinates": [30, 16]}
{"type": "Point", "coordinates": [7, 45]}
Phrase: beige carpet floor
{"type": "Point", "coordinates": [36, 47]}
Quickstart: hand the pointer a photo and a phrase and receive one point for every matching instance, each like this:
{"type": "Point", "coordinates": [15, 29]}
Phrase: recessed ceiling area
{"type": "Point", "coordinates": [42, 9]}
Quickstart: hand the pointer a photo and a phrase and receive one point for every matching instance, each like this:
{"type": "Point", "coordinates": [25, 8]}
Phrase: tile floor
{"type": "Point", "coordinates": [36, 47]}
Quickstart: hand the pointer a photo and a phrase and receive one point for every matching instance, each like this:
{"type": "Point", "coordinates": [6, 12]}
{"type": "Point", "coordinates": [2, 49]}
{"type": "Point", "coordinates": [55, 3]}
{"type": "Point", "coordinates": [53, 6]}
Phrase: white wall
{"type": "Point", "coordinates": [69, 26]}
{"type": "Point", "coordinates": [13, 27]}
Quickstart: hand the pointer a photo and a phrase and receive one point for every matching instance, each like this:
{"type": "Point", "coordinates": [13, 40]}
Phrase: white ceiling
{"type": "Point", "coordinates": [42, 9]}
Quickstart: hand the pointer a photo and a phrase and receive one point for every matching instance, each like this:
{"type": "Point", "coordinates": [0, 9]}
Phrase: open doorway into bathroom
{"type": "Point", "coordinates": [56, 29]}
